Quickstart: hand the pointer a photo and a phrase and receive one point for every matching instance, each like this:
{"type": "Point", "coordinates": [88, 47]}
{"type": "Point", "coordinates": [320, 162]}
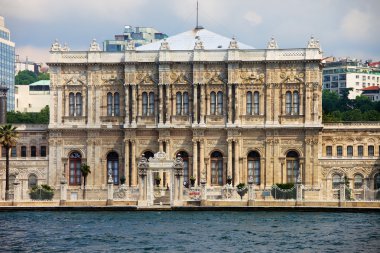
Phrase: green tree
{"type": "Point", "coordinates": [8, 139]}
{"type": "Point", "coordinates": [43, 76]}
{"type": "Point", "coordinates": [41, 117]}
{"type": "Point", "coordinates": [85, 170]}
{"type": "Point", "coordinates": [25, 77]}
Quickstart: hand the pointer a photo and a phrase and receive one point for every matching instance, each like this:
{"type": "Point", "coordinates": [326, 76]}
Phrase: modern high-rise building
{"type": "Point", "coordinates": [7, 66]}
{"type": "Point", "coordinates": [138, 35]}
{"type": "Point", "coordinates": [347, 73]}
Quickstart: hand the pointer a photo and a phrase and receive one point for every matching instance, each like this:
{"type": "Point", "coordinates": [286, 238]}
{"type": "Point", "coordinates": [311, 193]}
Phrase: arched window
{"type": "Point", "coordinates": [350, 151]}
{"type": "Point", "coordinates": [185, 158]}
{"type": "Point", "coordinates": [23, 151]}
{"type": "Point", "coordinates": [249, 103]}
{"type": "Point", "coordinates": [371, 150]}
{"type": "Point", "coordinates": [216, 168]}
{"type": "Point", "coordinates": [358, 181]}
{"type": "Point", "coordinates": [78, 104]}
{"type": "Point", "coordinates": [336, 181]}
{"type": "Point", "coordinates": [109, 104]}
{"type": "Point", "coordinates": [212, 103]}
{"type": "Point", "coordinates": [32, 181]}
{"type": "Point", "coordinates": [292, 166]}
{"type": "Point", "coordinates": [116, 104]}
{"type": "Point", "coordinates": [256, 103]}
{"type": "Point", "coordinates": [148, 154]}
{"type": "Point", "coordinates": [254, 166]}
{"type": "Point", "coordinates": [33, 151]}
{"type": "Point", "coordinates": [339, 151]}
{"type": "Point", "coordinates": [179, 103]}
{"type": "Point", "coordinates": [376, 183]}
{"type": "Point", "coordinates": [75, 161]}
{"type": "Point", "coordinates": [185, 103]}
{"type": "Point", "coordinates": [151, 103]}
{"type": "Point", "coordinates": [144, 104]}
{"type": "Point", "coordinates": [296, 103]}
{"type": "Point", "coordinates": [71, 104]}
{"type": "Point", "coordinates": [288, 103]}
{"type": "Point", "coordinates": [113, 165]}
{"type": "Point", "coordinates": [220, 103]}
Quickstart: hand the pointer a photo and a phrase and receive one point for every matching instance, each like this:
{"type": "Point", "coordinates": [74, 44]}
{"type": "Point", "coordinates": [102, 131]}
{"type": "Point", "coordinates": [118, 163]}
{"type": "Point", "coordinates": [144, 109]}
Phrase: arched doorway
{"type": "Point", "coordinates": [216, 168]}
{"type": "Point", "coordinates": [75, 161]}
{"type": "Point", "coordinates": [292, 166]}
{"type": "Point", "coordinates": [113, 165]}
{"type": "Point", "coordinates": [253, 165]}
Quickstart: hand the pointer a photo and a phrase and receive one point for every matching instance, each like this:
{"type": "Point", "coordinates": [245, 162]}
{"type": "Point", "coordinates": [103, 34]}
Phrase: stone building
{"type": "Point", "coordinates": [228, 109]}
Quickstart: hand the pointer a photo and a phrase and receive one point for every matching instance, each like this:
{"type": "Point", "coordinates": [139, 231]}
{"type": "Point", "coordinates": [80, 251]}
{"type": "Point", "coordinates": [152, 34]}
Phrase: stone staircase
{"type": "Point", "coordinates": [163, 200]}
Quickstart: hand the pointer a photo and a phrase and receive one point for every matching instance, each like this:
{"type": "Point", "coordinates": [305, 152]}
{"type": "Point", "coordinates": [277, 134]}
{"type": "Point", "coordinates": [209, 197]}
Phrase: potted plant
{"type": "Point", "coordinates": [122, 180]}
{"type": "Point", "coordinates": [229, 180]}
{"type": "Point", "coordinates": [192, 181]}
{"type": "Point", "coordinates": [157, 180]}
{"type": "Point", "coordinates": [241, 190]}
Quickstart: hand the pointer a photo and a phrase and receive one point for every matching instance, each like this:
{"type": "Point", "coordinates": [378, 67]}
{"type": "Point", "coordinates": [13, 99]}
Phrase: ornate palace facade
{"type": "Point", "coordinates": [229, 110]}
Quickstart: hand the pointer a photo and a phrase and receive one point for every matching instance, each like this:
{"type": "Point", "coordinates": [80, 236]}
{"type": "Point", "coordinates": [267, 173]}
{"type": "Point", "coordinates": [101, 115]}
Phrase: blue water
{"type": "Point", "coordinates": [189, 232]}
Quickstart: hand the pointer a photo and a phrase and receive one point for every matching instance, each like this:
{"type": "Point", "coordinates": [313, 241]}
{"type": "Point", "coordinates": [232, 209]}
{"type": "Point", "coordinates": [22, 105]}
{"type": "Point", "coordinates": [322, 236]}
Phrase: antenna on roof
{"type": "Point", "coordinates": [198, 26]}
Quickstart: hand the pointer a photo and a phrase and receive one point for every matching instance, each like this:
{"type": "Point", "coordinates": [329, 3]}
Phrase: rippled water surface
{"type": "Point", "coordinates": [189, 231]}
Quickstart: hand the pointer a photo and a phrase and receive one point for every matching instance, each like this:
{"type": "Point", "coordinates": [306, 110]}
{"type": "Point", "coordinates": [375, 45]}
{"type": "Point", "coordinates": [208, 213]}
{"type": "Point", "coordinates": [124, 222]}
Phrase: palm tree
{"type": "Point", "coordinates": [85, 170]}
{"type": "Point", "coordinates": [8, 139]}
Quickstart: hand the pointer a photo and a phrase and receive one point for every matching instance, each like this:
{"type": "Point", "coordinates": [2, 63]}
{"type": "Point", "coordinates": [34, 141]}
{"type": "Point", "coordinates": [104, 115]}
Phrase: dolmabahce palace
{"type": "Point", "coordinates": [232, 113]}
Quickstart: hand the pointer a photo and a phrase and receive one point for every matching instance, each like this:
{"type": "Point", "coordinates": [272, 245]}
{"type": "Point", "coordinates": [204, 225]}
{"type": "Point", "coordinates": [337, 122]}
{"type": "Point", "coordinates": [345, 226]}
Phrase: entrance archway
{"type": "Point", "coordinates": [160, 163]}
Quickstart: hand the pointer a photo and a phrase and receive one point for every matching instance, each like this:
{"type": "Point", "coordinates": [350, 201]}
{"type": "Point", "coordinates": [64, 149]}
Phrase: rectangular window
{"type": "Point", "coordinates": [371, 150]}
{"type": "Point", "coordinates": [43, 151]}
{"type": "Point", "coordinates": [360, 150]}
{"type": "Point", "coordinates": [33, 151]}
{"type": "Point", "coordinates": [14, 152]}
{"type": "Point", "coordinates": [3, 152]}
{"type": "Point", "coordinates": [23, 151]}
{"type": "Point", "coordinates": [350, 151]}
{"type": "Point", "coordinates": [339, 150]}
{"type": "Point", "coordinates": [328, 150]}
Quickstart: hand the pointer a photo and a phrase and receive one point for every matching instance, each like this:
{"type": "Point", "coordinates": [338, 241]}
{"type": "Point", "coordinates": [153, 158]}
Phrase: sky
{"type": "Point", "coordinates": [345, 28]}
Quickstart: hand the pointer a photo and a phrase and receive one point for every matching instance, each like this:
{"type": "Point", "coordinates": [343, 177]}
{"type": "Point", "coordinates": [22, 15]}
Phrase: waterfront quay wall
{"type": "Point", "coordinates": [195, 205]}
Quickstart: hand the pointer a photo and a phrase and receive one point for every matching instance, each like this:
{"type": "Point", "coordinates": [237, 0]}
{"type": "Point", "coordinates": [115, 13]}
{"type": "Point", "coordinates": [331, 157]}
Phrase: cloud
{"type": "Point", "coordinates": [35, 54]}
{"type": "Point", "coordinates": [253, 18]}
{"type": "Point", "coordinates": [356, 25]}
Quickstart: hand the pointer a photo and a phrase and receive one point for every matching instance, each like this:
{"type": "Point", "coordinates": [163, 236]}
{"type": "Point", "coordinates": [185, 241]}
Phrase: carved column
{"type": "Point", "coordinates": [202, 104]}
{"type": "Point", "coordinates": [168, 104]}
{"type": "Point", "coordinates": [195, 104]}
{"type": "Point", "coordinates": [229, 155]}
{"type": "Point", "coordinates": [160, 146]}
{"type": "Point", "coordinates": [195, 162]}
{"type": "Point", "coordinates": [160, 103]}
{"type": "Point", "coordinates": [230, 105]}
{"type": "Point", "coordinates": [126, 162]}
{"type": "Point", "coordinates": [134, 168]}
{"type": "Point", "coordinates": [63, 191]}
{"type": "Point", "coordinates": [237, 104]}
{"type": "Point", "coordinates": [134, 105]}
{"type": "Point", "coordinates": [126, 120]}
{"type": "Point", "coordinates": [59, 107]}
{"type": "Point", "coordinates": [237, 169]}
{"type": "Point", "coordinates": [201, 159]}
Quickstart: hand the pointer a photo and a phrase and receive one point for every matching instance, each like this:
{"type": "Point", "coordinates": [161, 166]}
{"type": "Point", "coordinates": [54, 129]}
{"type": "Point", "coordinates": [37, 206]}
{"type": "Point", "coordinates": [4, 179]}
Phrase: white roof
{"type": "Point", "coordinates": [186, 41]}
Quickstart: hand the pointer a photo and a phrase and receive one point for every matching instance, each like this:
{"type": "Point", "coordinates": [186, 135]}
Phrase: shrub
{"type": "Point", "coordinates": [41, 192]}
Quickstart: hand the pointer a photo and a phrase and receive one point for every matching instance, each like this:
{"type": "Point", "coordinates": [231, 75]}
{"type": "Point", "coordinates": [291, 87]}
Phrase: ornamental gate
{"type": "Point", "coordinates": [160, 163]}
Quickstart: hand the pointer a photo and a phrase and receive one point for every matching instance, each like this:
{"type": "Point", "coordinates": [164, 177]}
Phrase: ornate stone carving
{"type": "Point", "coordinates": [313, 43]}
{"type": "Point", "coordinates": [55, 47]}
{"type": "Point", "coordinates": [272, 44]}
{"type": "Point", "coordinates": [164, 45]}
{"type": "Point", "coordinates": [94, 46]}
{"type": "Point", "coordinates": [198, 44]}
{"type": "Point", "coordinates": [233, 44]}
